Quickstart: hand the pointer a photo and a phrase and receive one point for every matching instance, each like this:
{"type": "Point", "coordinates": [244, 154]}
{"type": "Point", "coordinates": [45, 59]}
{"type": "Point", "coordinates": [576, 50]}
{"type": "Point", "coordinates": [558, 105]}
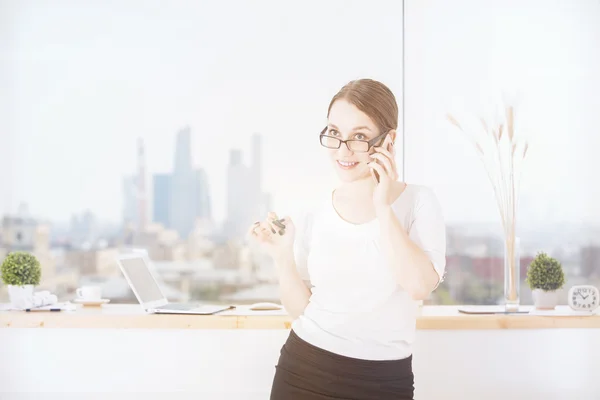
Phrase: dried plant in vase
{"type": "Point", "coordinates": [502, 155]}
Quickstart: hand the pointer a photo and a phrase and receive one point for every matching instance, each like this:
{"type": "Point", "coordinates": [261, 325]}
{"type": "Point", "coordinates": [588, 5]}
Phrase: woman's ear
{"type": "Point", "coordinates": [392, 140]}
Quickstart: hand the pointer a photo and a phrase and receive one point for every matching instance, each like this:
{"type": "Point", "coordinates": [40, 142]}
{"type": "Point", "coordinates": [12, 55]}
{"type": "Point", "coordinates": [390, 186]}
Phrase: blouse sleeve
{"type": "Point", "coordinates": [428, 231]}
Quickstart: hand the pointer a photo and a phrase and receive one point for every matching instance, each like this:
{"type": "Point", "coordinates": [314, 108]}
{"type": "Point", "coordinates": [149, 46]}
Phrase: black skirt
{"type": "Point", "coordinates": [306, 372]}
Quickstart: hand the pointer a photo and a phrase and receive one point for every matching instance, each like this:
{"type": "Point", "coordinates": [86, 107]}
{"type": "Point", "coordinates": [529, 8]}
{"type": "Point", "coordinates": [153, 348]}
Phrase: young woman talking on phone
{"type": "Point", "coordinates": [351, 270]}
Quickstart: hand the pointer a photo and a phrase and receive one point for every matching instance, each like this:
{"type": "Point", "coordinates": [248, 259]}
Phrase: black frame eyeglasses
{"type": "Point", "coordinates": [354, 145]}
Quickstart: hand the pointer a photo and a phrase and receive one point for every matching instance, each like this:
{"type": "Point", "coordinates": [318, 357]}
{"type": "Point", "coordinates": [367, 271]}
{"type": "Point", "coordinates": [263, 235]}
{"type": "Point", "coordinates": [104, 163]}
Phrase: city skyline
{"type": "Point", "coordinates": [245, 161]}
{"type": "Point", "coordinates": [74, 111]}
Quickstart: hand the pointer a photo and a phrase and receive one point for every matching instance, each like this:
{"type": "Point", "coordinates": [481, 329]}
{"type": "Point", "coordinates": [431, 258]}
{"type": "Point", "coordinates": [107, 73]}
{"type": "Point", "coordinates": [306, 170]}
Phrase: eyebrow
{"type": "Point", "coordinates": [355, 129]}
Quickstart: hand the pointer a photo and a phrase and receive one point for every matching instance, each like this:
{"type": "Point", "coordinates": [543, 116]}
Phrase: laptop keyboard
{"type": "Point", "coordinates": [176, 306]}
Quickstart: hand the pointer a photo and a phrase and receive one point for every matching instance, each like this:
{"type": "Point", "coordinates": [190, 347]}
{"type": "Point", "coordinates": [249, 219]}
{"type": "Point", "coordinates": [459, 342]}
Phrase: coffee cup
{"type": "Point", "coordinates": [89, 293]}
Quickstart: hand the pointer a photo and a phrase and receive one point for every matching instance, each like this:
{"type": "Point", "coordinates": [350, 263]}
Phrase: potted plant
{"type": "Point", "coordinates": [21, 271]}
{"type": "Point", "coordinates": [545, 276]}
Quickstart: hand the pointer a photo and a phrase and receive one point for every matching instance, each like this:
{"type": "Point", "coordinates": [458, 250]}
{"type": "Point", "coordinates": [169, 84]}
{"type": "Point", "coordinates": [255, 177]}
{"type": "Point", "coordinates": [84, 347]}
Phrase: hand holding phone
{"type": "Point", "coordinates": [383, 168]}
{"type": "Point", "coordinates": [390, 150]}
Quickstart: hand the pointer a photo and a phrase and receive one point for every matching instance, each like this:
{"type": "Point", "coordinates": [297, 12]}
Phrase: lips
{"type": "Point", "coordinates": [347, 164]}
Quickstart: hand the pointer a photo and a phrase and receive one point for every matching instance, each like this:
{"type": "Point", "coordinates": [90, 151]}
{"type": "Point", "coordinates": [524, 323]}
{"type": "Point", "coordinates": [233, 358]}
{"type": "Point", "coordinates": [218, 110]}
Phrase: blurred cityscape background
{"type": "Point", "coordinates": [196, 259]}
{"type": "Point", "coordinates": [128, 126]}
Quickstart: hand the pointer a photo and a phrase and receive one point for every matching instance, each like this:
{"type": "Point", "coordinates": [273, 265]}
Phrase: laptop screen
{"type": "Point", "coordinates": [141, 279]}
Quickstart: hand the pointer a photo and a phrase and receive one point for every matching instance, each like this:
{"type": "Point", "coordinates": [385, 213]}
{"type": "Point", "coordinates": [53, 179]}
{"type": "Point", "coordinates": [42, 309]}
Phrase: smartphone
{"type": "Point", "coordinates": [375, 172]}
{"type": "Point", "coordinates": [376, 175]}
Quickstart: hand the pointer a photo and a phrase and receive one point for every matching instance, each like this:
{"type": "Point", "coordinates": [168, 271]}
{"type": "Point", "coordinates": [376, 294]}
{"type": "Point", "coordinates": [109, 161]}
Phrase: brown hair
{"type": "Point", "coordinates": [374, 99]}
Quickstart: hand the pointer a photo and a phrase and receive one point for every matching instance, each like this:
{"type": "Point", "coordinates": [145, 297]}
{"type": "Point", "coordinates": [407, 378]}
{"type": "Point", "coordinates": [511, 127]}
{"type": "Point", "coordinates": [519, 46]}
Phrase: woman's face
{"type": "Point", "coordinates": [347, 122]}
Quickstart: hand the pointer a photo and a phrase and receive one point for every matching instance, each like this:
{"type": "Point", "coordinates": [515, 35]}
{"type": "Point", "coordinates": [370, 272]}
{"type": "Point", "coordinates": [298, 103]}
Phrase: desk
{"type": "Point", "coordinates": [118, 351]}
{"type": "Point", "coordinates": [117, 316]}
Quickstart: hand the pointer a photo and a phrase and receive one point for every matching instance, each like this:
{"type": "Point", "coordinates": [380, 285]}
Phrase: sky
{"type": "Point", "coordinates": [462, 57]}
{"type": "Point", "coordinates": [87, 78]}
{"type": "Point", "coordinates": [81, 81]}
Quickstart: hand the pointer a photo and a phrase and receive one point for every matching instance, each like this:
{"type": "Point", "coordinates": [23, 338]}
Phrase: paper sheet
{"type": "Point", "coordinates": [67, 306]}
{"type": "Point", "coordinates": [563, 312]}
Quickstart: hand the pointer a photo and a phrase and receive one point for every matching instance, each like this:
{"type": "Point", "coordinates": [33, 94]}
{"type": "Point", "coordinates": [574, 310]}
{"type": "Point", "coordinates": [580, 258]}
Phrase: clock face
{"type": "Point", "coordinates": [584, 298]}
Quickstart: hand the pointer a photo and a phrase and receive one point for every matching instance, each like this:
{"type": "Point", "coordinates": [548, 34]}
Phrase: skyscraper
{"type": "Point", "coordinates": [183, 151]}
{"type": "Point", "coordinates": [239, 199]}
{"type": "Point", "coordinates": [181, 198]}
{"type": "Point", "coordinates": [181, 203]}
{"type": "Point", "coordinates": [202, 196]}
{"type": "Point", "coordinates": [161, 196]}
{"type": "Point", "coordinates": [246, 201]}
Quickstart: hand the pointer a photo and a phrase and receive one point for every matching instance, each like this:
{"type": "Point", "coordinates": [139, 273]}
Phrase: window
{"type": "Point", "coordinates": [545, 56]}
{"type": "Point", "coordinates": [172, 132]}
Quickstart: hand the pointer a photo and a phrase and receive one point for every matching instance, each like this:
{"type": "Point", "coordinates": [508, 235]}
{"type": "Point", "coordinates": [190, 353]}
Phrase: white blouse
{"type": "Point", "coordinates": [356, 308]}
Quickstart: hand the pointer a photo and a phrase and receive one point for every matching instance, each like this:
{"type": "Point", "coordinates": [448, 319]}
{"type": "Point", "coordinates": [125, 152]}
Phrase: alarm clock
{"type": "Point", "coordinates": [584, 297]}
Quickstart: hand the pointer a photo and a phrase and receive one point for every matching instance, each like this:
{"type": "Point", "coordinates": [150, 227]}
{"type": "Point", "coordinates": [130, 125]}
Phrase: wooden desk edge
{"type": "Point", "coordinates": [72, 320]}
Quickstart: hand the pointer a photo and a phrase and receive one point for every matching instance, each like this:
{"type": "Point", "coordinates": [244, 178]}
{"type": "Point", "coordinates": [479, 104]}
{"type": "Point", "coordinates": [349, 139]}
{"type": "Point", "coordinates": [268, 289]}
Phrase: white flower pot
{"type": "Point", "coordinates": [21, 297]}
{"type": "Point", "coordinates": [545, 300]}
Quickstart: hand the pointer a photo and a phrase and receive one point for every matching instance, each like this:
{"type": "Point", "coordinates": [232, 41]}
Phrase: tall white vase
{"type": "Point", "coordinates": [512, 273]}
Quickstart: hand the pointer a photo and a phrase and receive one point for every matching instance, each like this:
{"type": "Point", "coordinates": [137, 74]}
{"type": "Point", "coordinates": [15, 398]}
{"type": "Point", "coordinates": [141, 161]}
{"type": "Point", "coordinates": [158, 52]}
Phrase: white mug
{"type": "Point", "coordinates": [89, 293]}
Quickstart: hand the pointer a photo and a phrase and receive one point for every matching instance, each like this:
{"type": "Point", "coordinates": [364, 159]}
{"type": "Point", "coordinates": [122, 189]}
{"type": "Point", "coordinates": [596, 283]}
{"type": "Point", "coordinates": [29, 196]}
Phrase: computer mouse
{"type": "Point", "coordinates": [263, 306]}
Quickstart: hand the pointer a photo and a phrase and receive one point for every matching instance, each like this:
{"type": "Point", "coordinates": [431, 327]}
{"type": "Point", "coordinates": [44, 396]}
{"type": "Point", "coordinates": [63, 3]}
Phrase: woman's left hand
{"type": "Point", "coordinates": [385, 165]}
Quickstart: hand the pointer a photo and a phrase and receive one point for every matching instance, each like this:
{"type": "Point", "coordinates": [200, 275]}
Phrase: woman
{"type": "Point", "coordinates": [351, 272]}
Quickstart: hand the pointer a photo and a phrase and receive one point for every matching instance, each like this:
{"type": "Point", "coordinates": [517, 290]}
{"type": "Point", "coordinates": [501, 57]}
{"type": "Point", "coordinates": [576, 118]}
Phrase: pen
{"type": "Point", "coordinates": [48, 309]}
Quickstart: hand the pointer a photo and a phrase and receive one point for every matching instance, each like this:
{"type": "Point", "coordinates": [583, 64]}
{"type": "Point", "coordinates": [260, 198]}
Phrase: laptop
{"type": "Point", "coordinates": [135, 268]}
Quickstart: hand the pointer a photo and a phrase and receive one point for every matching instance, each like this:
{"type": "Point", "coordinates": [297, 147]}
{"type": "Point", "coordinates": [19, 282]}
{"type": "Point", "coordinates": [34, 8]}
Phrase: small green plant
{"type": "Point", "coordinates": [21, 268]}
{"type": "Point", "coordinates": [545, 273]}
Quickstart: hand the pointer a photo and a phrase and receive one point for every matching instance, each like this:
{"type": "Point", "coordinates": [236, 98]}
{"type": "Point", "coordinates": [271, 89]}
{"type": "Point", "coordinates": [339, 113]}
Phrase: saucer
{"type": "Point", "coordinates": [91, 302]}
